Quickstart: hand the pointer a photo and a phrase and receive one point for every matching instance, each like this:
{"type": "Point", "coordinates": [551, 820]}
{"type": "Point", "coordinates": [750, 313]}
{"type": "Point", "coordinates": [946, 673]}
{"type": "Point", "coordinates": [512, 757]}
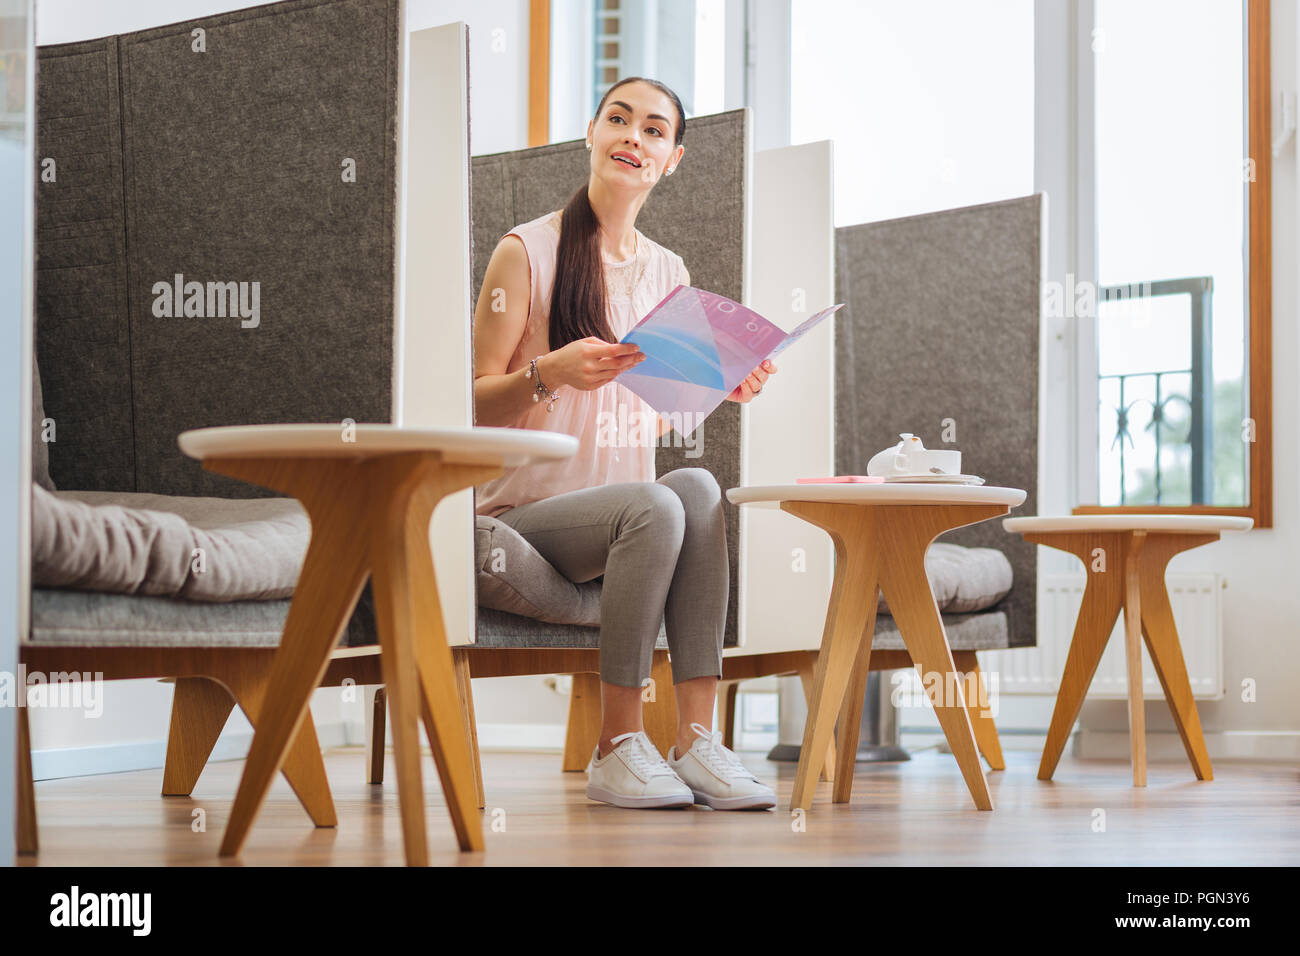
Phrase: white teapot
{"type": "Point", "coordinates": [910, 458]}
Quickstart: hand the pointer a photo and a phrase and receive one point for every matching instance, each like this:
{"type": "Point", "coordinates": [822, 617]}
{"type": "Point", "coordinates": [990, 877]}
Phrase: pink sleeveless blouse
{"type": "Point", "coordinates": [617, 431]}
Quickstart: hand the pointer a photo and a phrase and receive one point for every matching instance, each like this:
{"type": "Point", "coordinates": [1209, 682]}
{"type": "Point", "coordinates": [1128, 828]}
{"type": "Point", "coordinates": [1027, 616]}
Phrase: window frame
{"type": "Point", "coordinates": [1259, 279]}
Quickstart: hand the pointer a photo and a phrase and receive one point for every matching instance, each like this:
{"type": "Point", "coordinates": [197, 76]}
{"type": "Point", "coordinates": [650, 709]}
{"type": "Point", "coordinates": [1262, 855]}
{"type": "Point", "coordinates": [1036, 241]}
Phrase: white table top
{"type": "Point", "coordinates": [1177, 524]}
{"type": "Point", "coordinates": [893, 493]}
{"type": "Point", "coordinates": [510, 447]}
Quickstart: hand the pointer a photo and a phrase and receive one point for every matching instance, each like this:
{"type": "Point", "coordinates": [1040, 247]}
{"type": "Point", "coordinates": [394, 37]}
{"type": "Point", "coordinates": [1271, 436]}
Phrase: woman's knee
{"type": "Point", "coordinates": [696, 488]}
{"type": "Point", "coordinates": [659, 509]}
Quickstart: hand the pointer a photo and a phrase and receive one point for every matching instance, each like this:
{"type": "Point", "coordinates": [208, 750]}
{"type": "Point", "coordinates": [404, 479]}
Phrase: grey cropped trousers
{"type": "Point", "coordinates": [662, 548]}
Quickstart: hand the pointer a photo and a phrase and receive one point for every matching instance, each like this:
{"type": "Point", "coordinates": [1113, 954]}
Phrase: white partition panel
{"type": "Point", "coordinates": [17, 192]}
{"type": "Point", "coordinates": [788, 431]}
{"type": "Point", "coordinates": [434, 297]}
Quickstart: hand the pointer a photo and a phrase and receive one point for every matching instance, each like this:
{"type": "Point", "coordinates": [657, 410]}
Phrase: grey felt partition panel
{"type": "Point", "coordinates": [942, 321]}
{"type": "Point", "coordinates": [698, 212]}
{"type": "Point", "coordinates": [222, 165]}
{"type": "Point", "coordinates": [82, 341]}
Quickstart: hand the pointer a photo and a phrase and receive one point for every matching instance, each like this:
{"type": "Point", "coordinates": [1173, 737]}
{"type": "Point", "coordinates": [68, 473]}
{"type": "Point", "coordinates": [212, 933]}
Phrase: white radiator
{"type": "Point", "coordinates": [1037, 670]}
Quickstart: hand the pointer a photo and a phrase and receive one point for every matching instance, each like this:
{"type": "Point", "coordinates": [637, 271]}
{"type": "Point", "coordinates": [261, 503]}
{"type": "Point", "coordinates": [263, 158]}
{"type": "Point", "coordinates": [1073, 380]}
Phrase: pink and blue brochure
{"type": "Point", "coordinates": [699, 346]}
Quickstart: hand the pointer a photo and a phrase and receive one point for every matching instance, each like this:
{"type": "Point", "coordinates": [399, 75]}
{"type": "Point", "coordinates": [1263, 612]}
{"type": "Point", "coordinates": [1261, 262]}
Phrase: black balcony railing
{"type": "Point", "coordinates": [1198, 397]}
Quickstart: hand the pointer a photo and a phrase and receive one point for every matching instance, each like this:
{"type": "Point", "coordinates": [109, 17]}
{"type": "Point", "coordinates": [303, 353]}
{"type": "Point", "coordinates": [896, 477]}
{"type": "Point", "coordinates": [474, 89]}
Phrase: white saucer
{"type": "Point", "coordinates": [935, 479]}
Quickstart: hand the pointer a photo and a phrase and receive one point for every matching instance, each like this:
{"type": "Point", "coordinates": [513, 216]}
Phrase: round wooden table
{"type": "Point", "coordinates": [881, 533]}
{"type": "Point", "coordinates": [1125, 556]}
{"type": "Point", "coordinates": [370, 491]}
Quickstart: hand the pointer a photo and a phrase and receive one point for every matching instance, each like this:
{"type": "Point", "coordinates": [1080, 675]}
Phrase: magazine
{"type": "Point", "coordinates": [699, 346]}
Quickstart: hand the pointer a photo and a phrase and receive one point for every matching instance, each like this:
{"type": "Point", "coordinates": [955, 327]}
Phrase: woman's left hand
{"type": "Point", "coordinates": [753, 383]}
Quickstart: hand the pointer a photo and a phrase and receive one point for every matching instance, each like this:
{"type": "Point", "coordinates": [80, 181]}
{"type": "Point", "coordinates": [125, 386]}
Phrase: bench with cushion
{"type": "Point", "coordinates": [144, 564]}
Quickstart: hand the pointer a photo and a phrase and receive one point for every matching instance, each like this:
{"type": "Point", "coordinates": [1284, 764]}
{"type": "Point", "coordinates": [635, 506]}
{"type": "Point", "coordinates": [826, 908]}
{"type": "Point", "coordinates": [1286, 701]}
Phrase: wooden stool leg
{"type": "Point", "coordinates": [329, 585]}
{"type": "Point", "coordinates": [303, 765]}
{"type": "Point", "coordinates": [582, 732]}
{"type": "Point", "coordinates": [1133, 659]}
{"type": "Point", "coordinates": [25, 823]}
{"type": "Point", "coordinates": [1102, 599]}
{"type": "Point", "coordinates": [986, 732]}
{"type": "Point", "coordinates": [376, 732]}
{"type": "Point", "coordinates": [1164, 647]}
{"type": "Point", "coordinates": [660, 715]}
{"type": "Point", "coordinates": [727, 691]}
{"type": "Point", "coordinates": [200, 708]}
{"type": "Point", "coordinates": [807, 677]}
{"type": "Point", "coordinates": [852, 603]}
{"type": "Point", "coordinates": [465, 691]}
{"type": "Point", "coordinates": [435, 670]}
{"type": "Point", "coordinates": [907, 589]}
{"type": "Point", "coordinates": [850, 722]}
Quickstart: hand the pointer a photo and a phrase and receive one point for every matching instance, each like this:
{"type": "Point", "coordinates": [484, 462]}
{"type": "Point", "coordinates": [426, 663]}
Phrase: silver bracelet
{"type": "Point", "coordinates": [540, 389]}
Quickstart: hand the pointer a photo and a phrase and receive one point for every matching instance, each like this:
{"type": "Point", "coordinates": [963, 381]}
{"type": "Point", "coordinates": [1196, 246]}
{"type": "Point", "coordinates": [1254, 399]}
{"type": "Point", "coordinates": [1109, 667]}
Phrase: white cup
{"type": "Point", "coordinates": [927, 462]}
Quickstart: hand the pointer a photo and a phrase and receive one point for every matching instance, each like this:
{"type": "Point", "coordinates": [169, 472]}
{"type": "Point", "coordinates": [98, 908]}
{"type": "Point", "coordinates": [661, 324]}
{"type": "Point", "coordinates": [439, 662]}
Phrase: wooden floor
{"type": "Point", "coordinates": [913, 813]}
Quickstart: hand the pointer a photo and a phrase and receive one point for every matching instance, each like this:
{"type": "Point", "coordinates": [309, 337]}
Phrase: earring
{"type": "Point", "coordinates": [669, 172]}
{"type": "Point", "coordinates": [589, 146]}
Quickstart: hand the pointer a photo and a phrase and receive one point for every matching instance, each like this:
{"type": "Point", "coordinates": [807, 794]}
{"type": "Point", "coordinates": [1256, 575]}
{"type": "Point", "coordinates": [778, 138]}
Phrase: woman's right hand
{"type": "Point", "coordinates": [588, 363]}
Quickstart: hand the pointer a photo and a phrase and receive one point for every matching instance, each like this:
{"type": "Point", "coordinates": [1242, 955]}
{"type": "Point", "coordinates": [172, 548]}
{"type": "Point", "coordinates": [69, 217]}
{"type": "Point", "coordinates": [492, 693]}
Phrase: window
{"type": "Point", "coordinates": [922, 118]}
{"type": "Point", "coordinates": [594, 43]}
{"type": "Point", "coordinates": [1172, 180]}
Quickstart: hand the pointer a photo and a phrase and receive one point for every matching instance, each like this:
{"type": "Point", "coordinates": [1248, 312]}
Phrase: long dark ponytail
{"type": "Point", "coordinates": [578, 301]}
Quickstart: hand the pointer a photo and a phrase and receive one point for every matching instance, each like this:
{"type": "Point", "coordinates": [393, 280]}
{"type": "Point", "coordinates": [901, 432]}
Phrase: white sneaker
{"type": "Point", "coordinates": [634, 774]}
{"type": "Point", "coordinates": [716, 776]}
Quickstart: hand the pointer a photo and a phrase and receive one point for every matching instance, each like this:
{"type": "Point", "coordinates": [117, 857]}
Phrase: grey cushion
{"type": "Point", "coordinates": [502, 629]}
{"type": "Point", "coordinates": [137, 544]}
{"type": "Point", "coordinates": [92, 619]}
{"type": "Point", "coordinates": [513, 576]}
{"type": "Point", "coordinates": [963, 579]}
{"type": "Point", "coordinates": [966, 632]}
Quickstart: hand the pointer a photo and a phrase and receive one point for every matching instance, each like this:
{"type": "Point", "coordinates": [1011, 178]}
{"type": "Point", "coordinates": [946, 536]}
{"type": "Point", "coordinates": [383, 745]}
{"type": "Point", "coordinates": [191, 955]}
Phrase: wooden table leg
{"type": "Point", "coordinates": [26, 843]}
{"type": "Point", "coordinates": [333, 573]}
{"type": "Point", "coordinates": [394, 594]}
{"type": "Point", "coordinates": [726, 718]}
{"type": "Point", "coordinates": [808, 680]}
{"type": "Point", "coordinates": [1164, 647]}
{"type": "Point", "coordinates": [200, 709]}
{"type": "Point", "coordinates": [845, 759]}
{"type": "Point", "coordinates": [582, 730]}
{"type": "Point", "coordinates": [303, 765]}
{"type": "Point", "coordinates": [1103, 597]}
{"type": "Point", "coordinates": [465, 691]}
{"type": "Point", "coordinates": [444, 722]}
{"type": "Point", "coordinates": [419, 675]}
{"type": "Point", "coordinates": [1137, 732]}
{"type": "Point", "coordinates": [905, 532]}
{"type": "Point", "coordinates": [986, 731]}
{"type": "Point", "coordinates": [852, 602]}
{"type": "Point", "coordinates": [376, 706]}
